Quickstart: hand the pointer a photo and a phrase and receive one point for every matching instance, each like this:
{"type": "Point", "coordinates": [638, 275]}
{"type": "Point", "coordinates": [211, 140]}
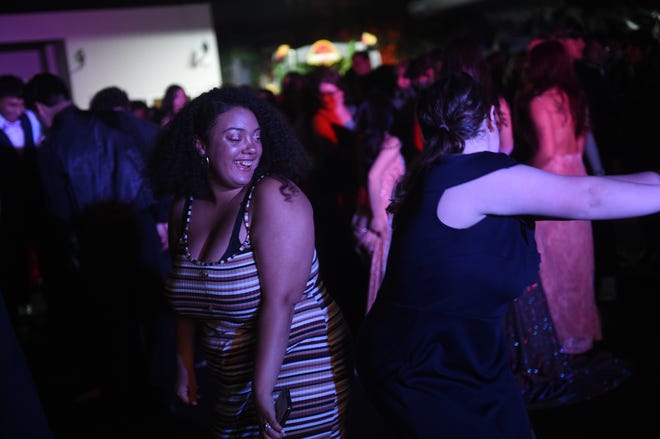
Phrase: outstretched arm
{"type": "Point", "coordinates": [591, 197]}
{"type": "Point", "coordinates": [648, 177]}
{"type": "Point", "coordinates": [524, 190]}
{"type": "Point", "coordinates": [283, 243]}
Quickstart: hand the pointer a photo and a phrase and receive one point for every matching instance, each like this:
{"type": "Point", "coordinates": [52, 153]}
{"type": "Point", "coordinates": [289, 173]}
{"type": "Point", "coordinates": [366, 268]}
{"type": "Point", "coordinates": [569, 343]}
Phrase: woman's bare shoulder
{"type": "Point", "coordinates": [276, 190]}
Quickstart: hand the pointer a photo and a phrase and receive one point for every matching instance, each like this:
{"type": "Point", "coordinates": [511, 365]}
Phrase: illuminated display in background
{"type": "Point", "coordinates": [333, 54]}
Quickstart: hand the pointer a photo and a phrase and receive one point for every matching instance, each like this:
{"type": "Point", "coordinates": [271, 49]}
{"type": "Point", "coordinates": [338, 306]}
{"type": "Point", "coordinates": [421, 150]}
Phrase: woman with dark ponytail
{"type": "Point", "coordinates": [432, 353]}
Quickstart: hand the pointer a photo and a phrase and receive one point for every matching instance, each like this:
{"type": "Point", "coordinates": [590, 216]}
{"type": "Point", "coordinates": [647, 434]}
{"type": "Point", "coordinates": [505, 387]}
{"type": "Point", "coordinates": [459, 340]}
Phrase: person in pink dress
{"type": "Point", "coordinates": [384, 174]}
{"type": "Point", "coordinates": [383, 165]}
{"type": "Point", "coordinates": [553, 114]}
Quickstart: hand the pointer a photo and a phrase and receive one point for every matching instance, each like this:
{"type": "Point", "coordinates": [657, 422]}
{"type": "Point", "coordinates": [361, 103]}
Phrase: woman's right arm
{"type": "Point", "coordinates": [186, 382]}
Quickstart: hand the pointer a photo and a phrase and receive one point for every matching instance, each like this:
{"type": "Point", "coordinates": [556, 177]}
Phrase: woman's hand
{"type": "Point", "coordinates": [268, 426]}
{"type": "Point", "coordinates": [379, 224]}
{"type": "Point", "coordinates": [365, 238]}
{"type": "Point", "coordinates": [186, 384]}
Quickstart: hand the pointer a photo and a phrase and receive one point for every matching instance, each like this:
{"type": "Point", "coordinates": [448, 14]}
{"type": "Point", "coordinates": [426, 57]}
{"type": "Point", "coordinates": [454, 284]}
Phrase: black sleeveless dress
{"type": "Point", "coordinates": [432, 353]}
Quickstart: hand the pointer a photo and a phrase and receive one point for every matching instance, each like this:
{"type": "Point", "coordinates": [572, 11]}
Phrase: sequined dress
{"type": "Point", "coordinates": [224, 298]}
{"type": "Point", "coordinates": [547, 376]}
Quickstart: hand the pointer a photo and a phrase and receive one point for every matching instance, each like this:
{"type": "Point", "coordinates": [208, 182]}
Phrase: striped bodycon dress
{"type": "Point", "coordinates": [224, 298]}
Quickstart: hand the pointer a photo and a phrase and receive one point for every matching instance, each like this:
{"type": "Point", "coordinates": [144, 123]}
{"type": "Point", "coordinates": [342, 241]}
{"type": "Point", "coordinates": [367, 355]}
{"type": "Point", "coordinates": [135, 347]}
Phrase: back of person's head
{"type": "Point", "coordinates": [11, 86]}
{"type": "Point", "coordinates": [267, 94]}
{"type": "Point", "coordinates": [295, 94]}
{"type": "Point", "coordinates": [382, 79]}
{"type": "Point", "coordinates": [450, 112]}
{"type": "Point", "coordinates": [422, 71]}
{"type": "Point", "coordinates": [375, 116]}
{"type": "Point", "coordinates": [361, 64]}
{"type": "Point", "coordinates": [465, 55]}
{"type": "Point", "coordinates": [140, 109]}
{"type": "Point", "coordinates": [110, 98]}
{"type": "Point", "coordinates": [47, 89]}
{"type": "Point", "coordinates": [548, 65]}
{"type": "Point", "coordinates": [324, 74]}
{"type": "Point", "coordinates": [177, 167]}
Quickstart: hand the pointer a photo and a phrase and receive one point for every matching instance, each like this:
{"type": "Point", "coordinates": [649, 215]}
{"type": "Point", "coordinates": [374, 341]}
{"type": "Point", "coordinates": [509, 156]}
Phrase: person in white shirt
{"type": "Point", "coordinates": [19, 195]}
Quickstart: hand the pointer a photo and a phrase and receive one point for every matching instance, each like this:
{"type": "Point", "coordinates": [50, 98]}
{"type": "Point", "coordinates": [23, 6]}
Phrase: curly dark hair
{"type": "Point", "coordinates": [176, 167]}
{"type": "Point", "coordinates": [449, 112]}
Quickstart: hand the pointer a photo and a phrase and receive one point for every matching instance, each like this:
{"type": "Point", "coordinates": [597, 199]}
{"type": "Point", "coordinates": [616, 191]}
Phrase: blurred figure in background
{"type": "Point", "coordinates": [356, 78]}
{"type": "Point", "coordinates": [174, 99]}
{"type": "Point", "coordinates": [140, 109]}
{"type": "Point", "coordinates": [158, 320]}
{"type": "Point", "coordinates": [20, 197]}
{"type": "Point", "coordinates": [551, 362]}
{"type": "Point", "coordinates": [465, 55]}
{"type": "Point", "coordinates": [97, 201]}
{"type": "Point", "coordinates": [335, 190]}
{"type": "Point", "coordinates": [381, 165]}
{"type": "Point", "coordinates": [553, 112]}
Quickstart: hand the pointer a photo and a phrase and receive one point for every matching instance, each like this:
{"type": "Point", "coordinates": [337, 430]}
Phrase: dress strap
{"type": "Point", "coordinates": [185, 220]}
{"type": "Point", "coordinates": [246, 210]}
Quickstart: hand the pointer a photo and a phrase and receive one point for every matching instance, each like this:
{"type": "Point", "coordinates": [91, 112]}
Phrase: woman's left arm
{"type": "Point", "coordinates": [283, 243]}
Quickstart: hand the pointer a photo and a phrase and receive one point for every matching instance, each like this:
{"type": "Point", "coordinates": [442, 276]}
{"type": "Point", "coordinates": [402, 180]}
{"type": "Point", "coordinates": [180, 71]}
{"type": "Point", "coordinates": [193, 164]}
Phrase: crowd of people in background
{"type": "Point", "coordinates": [82, 220]}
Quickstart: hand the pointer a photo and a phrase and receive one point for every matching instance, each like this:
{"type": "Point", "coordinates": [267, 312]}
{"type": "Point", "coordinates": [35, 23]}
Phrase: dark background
{"type": "Point", "coordinates": [254, 28]}
{"type": "Point", "coordinates": [297, 22]}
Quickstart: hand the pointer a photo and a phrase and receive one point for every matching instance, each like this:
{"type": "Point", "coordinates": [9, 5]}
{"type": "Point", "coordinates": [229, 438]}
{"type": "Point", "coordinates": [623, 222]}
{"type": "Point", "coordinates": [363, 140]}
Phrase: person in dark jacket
{"type": "Point", "coordinates": [98, 212]}
{"type": "Point", "coordinates": [158, 330]}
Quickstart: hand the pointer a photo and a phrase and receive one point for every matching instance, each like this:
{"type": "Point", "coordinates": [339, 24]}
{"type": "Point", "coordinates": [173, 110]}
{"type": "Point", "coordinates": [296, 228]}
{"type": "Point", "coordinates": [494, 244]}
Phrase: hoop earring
{"type": "Point", "coordinates": [206, 163]}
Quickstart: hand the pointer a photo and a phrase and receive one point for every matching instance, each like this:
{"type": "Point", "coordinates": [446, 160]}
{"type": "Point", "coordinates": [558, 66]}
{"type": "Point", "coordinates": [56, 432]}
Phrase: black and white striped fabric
{"type": "Point", "coordinates": [225, 297]}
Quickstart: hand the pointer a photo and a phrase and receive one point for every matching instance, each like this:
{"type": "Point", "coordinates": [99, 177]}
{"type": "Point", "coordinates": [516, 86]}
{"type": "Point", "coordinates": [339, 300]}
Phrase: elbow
{"type": "Point", "coordinates": [291, 298]}
{"type": "Point", "coordinates": [283, 300]}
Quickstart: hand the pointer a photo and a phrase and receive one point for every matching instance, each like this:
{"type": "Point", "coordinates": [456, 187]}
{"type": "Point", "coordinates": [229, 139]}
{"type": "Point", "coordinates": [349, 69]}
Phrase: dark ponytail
{"type": "Point", "coordinates": [449, 112]}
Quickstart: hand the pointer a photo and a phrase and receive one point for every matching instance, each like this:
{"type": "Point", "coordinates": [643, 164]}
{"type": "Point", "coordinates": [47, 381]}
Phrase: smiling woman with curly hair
{"type": "Point", "coordinates": [245, 269]}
